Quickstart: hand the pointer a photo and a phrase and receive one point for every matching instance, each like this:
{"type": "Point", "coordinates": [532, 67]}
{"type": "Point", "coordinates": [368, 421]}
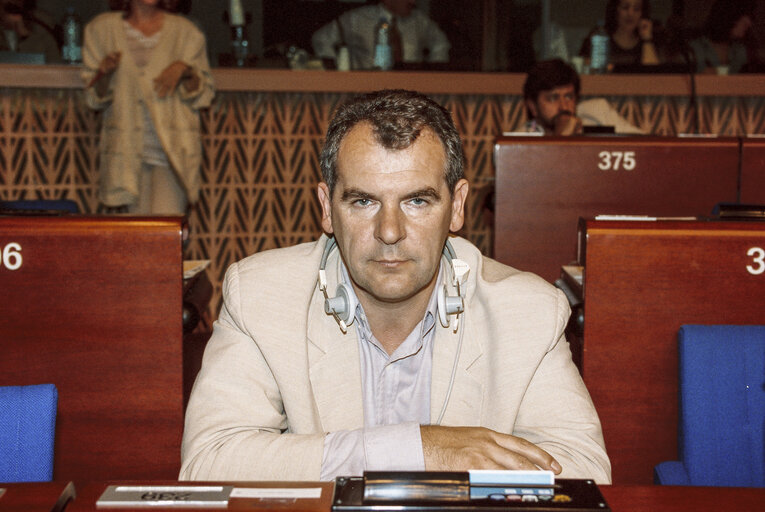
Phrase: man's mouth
{"type": "Point", "coordinates": [390, 263]}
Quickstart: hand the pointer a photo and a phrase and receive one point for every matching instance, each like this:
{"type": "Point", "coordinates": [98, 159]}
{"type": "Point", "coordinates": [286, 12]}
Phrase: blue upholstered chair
{"type": "Point", "coordinates": [27, 429]}
{"type": "Point", "coordinates": [722, 408]}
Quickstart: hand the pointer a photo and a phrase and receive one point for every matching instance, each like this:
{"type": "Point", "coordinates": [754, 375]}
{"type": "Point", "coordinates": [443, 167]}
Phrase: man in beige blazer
{"type": "Point", "coordinates": [377, 346]}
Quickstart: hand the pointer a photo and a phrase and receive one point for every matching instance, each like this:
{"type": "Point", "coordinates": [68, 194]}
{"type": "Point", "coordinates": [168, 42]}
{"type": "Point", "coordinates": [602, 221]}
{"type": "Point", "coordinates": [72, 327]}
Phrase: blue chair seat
{"type": "Point", "coordinates": [722, 408]}
{"type": "Point", "coordinates": [27, 432]}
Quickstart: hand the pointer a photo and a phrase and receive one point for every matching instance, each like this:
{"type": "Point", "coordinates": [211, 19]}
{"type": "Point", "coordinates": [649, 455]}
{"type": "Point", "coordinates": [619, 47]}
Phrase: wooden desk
{"type": "Point", "coordinates": [544, 184]}
{"type": "Point", "coordinates": [657, 498]}
{"type": "Point", "coordinates": [753, 171]}
{"type": "Point", "coordinates": [94, 307]}
{"type": "Point", "coordinates": [642, 281]}
{"type": "Point", "coordinates": [621, 498]}
{"type": "Point", "coordinates": [35, 496]}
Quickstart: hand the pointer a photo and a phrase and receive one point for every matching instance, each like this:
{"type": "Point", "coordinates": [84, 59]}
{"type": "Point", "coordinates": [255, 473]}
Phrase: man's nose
{"type": "Point", "coordinates": [390, 224]}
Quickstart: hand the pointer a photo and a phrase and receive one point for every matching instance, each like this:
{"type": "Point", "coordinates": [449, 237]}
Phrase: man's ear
{"type": "Point", "coordinates": [532, 107]}
{"type": "Point", "coordinates": [458, 205]}
{"type": "Point", "coordinates": [325, 200]}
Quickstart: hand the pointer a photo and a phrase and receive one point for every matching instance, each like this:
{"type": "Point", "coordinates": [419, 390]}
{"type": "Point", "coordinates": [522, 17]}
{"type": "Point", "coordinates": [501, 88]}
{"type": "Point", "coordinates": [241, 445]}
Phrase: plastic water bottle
{"type": "Point", "coordinates": [599, 50]}
{"type": "Point", "coordinates": [383, 58]}
{"type": "Point", "coordinates": [71, 51]}
{"type": "Point", "coordinates": [239, 43]}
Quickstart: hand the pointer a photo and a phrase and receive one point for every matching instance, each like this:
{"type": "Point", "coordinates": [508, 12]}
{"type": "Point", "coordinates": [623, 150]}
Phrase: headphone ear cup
{"type": "Point", "coordinates": [343, 304]}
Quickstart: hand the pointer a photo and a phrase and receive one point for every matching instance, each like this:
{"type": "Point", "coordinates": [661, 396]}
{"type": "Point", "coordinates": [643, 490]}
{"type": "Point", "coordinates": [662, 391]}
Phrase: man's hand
{"type": "Point", "coordinates": [464, 448]}
{"type": "Point", "coordinates": [566, 123]}
{"type": "Point", "coordinates": [645, 29]}
{"type": "Point", "coordinates": [168, 80]}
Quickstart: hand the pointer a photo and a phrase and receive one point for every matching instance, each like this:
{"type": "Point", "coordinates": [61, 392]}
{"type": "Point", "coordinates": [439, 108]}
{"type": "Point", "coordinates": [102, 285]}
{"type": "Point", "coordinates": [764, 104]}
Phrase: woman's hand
{"type": "Point", "coordinates": [109, 64]}
{"type": "Point", "coordinates": [168, 80]}
{"type": "Point", "coordinates": [105, 69]}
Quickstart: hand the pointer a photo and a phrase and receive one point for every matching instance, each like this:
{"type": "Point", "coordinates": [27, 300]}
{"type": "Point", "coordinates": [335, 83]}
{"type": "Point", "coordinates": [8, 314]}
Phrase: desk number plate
{"type": "Point", "coordinates": [130, 496]}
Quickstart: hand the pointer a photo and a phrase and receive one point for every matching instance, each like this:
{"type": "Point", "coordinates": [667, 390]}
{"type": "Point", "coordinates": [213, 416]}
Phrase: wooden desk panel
{"type": "Point", "coordinates": [663, 498]}
{"type": "Point", "coordinates": [753, 171]}
{"type": "Point", "coordinates": [620, 498]}
{"type": "Point", "coordinates": [35, 496]}
{"type": "Point", "coordinates": [544, 184]}
{"type": "Point", "coordinates": [642, 281]}
{"type": "Point", "coordinates": [95, 308]}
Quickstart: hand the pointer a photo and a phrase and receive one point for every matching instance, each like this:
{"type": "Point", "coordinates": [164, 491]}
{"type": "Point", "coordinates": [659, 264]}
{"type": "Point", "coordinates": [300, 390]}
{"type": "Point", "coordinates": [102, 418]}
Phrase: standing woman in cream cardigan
{"type": "Point", "coordinates": [148, 70]}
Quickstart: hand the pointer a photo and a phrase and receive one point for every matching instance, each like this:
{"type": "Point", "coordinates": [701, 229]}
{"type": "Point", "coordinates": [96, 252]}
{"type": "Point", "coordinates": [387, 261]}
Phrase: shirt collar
{"type": "Point", "coordinates": [414, 341]}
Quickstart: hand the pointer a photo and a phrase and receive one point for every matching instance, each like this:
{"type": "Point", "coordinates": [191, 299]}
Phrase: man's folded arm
{"type": "Point", "coordinates": [236, 427]}
{"type": "Point", "coordinates": [386, 447]}
{"type": "Point", "coordinates": [558, 415]}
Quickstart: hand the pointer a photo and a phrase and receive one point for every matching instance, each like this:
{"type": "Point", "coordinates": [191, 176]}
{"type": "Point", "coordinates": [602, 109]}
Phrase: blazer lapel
{"type": "Point", "coordinates": [466, 397]}
{"type": "Point", "coordinates": [333, 359]}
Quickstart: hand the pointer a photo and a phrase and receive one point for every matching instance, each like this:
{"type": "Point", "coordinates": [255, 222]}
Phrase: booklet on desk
{"type": "Point", "coordinates": [130, 496]}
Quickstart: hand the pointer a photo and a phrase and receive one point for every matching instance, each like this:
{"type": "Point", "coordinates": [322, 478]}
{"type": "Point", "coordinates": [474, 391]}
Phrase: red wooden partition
{"type": "Point", "coordinates": [642, 281]}
{"type": "Point", "coordinates": [544, 184]}
{"type": "Point", "coordinates": [753, 171]}
{"type": "Point", "coordinates": [93, 305]}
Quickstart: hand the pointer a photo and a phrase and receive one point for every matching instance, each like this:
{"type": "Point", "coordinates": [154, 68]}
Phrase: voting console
{"type": "Point", "coordinates": [642, 281]}
{"type": "Point", "coordinates": [93, 305]}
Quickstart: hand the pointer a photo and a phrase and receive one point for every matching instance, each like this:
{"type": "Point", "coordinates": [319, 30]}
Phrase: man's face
{"type": "Point", "coordinates": [11, 13]}
{"type": "Point", "coordinates": [551, 103]}
{"type": "Point", "coordinates": [740, 28]}
{"type": "Point", "coordinates": [391, 212]}
{"type": "Point", "coordinates": [400, 8]}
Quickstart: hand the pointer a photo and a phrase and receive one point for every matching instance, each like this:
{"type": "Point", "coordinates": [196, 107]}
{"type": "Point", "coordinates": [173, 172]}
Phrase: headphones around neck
{"type": "Point", "coordinates": [343, 305]}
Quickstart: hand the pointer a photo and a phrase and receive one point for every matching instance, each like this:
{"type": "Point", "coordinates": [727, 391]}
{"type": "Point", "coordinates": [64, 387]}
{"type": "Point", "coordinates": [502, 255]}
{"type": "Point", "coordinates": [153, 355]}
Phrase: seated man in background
{"type": "Point", "coordinates": [551, 95]}
{"type": "Point", "coordinates": [419, 39]}
{"type": "Point", "coordinates": [27, 30]}
{"type": "Point", "coordinates": [411, 351]}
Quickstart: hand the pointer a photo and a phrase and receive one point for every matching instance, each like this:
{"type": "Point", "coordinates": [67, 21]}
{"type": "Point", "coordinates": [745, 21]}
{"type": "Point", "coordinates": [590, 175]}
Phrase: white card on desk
{"type": "Point", "coordinates": [276, 493]}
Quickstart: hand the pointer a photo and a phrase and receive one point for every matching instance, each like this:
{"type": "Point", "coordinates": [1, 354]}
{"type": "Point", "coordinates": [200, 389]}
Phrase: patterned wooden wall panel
{"type": "Point", "coordinates": [48, 147]}
{"type": "Point", "coordinates": [261, 151]}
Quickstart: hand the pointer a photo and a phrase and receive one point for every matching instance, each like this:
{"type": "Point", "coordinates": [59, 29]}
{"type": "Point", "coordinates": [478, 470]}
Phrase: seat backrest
{"type": "Point", "coordinates": [722, 404]}
{"type": "Point", "coordinates": [27, 432]}
{"type": "Point", "coordinates": [44, 205]}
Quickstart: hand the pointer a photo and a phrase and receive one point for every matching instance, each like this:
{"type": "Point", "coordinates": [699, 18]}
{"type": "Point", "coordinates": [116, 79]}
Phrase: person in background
{"type": "Point", "coordinates": [388, 344]}
{"type": "Point", "coordinates": [551, 95]}
{"type": "Point", "coordinates": [421, 40]}
{"type": "Point", "coordinates": [631, 33]}
{"type": "Point", "coordinates": [28, 30]}
{"type": "Point", "coordinates": [558, 45]}
{"type": "Point", "coordinates": [147, 69]}
{"type": "Point", "coordinates": [728, 42]}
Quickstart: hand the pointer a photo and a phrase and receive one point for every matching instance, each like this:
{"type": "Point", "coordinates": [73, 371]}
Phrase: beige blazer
{"type": "Point", "coordinates": [278, 373]}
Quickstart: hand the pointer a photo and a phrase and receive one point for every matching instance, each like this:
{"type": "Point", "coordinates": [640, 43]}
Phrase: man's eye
{"type": "Point", "coordinates": [418, 201]}
{"type": "Point", "coordinates": [362, 202]}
